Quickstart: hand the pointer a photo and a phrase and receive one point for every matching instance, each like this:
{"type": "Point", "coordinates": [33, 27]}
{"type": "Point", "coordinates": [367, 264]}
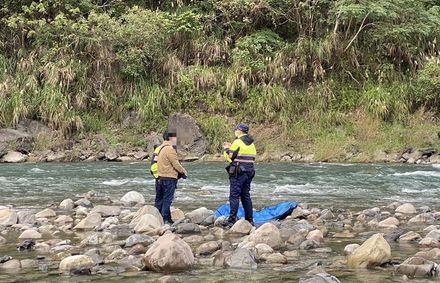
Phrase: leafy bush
{"type": "Point", "coordinates": [140, 42]}
{"type": "Point", "coordinates": [427, 86]}
{"type": "Point", "coordinates": [257, 50]}
{"type": "Point", "coordinates": [386, 103]}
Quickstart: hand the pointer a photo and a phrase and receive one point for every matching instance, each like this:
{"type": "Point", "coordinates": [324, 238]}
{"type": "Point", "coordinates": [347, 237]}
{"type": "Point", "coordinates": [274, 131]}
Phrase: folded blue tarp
{"type": "Point", "coordinates": [267, 214]}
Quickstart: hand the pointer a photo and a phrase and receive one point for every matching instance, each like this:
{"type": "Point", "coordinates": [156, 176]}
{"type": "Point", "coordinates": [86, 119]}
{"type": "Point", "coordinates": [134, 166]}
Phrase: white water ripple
{"type": "Point", "coordinates": [419, 173]}
{"type": "Point", "coordinates": [37, 170]}
{"type": "Point", "coordinates": [122, 182]}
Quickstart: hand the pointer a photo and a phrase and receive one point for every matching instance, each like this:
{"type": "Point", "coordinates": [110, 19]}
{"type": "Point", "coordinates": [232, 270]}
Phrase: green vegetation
{"type": "Point", "coordinates": [326, 76]}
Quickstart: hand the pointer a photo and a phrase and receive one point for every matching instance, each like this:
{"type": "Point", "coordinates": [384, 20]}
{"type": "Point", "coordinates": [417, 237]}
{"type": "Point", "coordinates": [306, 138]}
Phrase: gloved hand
{"type": "Point", "coordinates": [184, 177]}
{"type": "Point", "coordinates": [226, 145]}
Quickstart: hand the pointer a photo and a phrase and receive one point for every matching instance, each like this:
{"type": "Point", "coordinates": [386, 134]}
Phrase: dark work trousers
{"type": "Point", "coordinates": [159, 197]}
{"type": "Point", "coordinates": [164, 197]}
{"type": "Point", "coordinates": [240, 187]}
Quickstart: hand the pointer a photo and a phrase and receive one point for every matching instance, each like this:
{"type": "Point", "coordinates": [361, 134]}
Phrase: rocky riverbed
{"type": "Point", "coordinates": [33, 142]}
{"type": "Point", "coordinates": [95, 236]}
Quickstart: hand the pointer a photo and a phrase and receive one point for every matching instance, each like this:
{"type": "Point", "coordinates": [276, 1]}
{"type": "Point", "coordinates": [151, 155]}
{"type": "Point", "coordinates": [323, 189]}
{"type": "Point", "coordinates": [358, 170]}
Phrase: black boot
{"type": "Point", "coordinates": [231, 221]}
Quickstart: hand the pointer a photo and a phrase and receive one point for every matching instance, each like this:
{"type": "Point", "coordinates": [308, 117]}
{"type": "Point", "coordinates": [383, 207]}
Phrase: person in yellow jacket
{"type": "Point", "coordinates": [241, 155]}
{"type": "Point", "coordinates": [169, 170]}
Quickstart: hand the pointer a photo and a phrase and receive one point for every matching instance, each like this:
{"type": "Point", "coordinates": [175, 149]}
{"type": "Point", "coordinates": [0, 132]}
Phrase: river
{"type": "Point", "coordinates": [353, 186]}
{"type": "Point", "coordinates": [323, 185]}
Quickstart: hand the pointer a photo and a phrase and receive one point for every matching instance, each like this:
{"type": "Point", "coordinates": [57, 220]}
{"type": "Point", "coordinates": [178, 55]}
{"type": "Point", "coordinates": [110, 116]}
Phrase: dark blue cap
{"type": "Point", "coordinates": [243, 127]}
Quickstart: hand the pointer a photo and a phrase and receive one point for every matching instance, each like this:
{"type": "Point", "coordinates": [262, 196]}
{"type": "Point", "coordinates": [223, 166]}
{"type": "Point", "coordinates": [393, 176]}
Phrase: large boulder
{"type": "Point", "coordinates": [187, 228]}
{"type": "Point", "coordinates": [189, 134]}
{"type": "Point", "coordinates": [410, 236]}
{"type": "Point", "coordinates": [390, 222]}
{"type": "Point", "coordinates": [137, 250]}
{"type": "Point", "coordinates": [26, 217]}
{"type": "Point", "coordinates": [92, 221]}
{"type": "Point", "coordinates": [207, 248]}
{"type": "Point", "coordinates": [349, 249]}
{"type": "Point", "coordinates": [417, 267]}
{"type": "Point", "coordinates": [46, 213]}
{"type": "Point", "coordinates": [422, 218]}
{"type": "Point", "coordinates": [406, 208]}
{"type": "Point", "coordinates": [72, 264]}
{"type": "Point", "coordinates": [316, 235]}
{"type": "Point", "coordinates": [241, 227]}
{"type": "Point", "coordinates": [309, 245]}
{"type": "Point", "coordinates": [199, 215]}
{"type": "Point", "coordinates": [140, 155]}
{"type": "Point", "coordinates": [133, 197]}
{"type": "Point", "coordinates": [15, 140]}
{"type": "Point", "coordinates": [30, 235]}
{"type": "Point", "coordinates": [56, 156]}
{"type": "Point", "coordinates": [106, 210]}
{"type": "Point", "coordinates": [10, 266]}
{"type": "Point", "coordinates": [169, 253]}
{"type": "Point", "coordinates": [29, 263]}
{"type": "Point", "coordinates": [112, 154]}
{"type": "Point", "coordinates": [14, 157]}
{"type": "Point", "coordinates": [433, 254]}
{"type": "Point", "coordinates": [266, 234]}
{"type": "Point", "coordinates": [242, 259]}
{"type": "Point", "coordinates": [67, 204]}
{"type": "Point", "coordinates": [432, 239]}
{"type": "Point", "coordinates": [291, 227]}
{"type": "Point", "coordinates": [263, 249]}
{"type": "Point", "coordinates": [63, 219]}
{"type": "Point", "coordinates": [274, 258]}
{"type": "Point", "coordinates": [374, 251]}
{"type": "Point", "coordinates": [32, 128]}
{"type": "Point", "coordinates": [138, 239]}
{"type": "Point", "coordinates": [147, 224]}
{"type": "Point", "coordinates": [116, 255]}
{"type": "Point", "coordinates": [434, 234]}
{"type": "Point", "coordinates": [8, 217]}
{"type": "Point", "coordinates": [83, 202]}
{"type": "Point", "coordinates": [98, 238]}
{"type": "Point", "coordinates": [297, 238]}
{"type": "Point", "coordinates": [429, 243]}
{"type": "Point", "coordinates": [177, 214]}
{"type": "Point", "coordinates": [109, 223]}
{"type": "Point", "coordinates": [146, 209]}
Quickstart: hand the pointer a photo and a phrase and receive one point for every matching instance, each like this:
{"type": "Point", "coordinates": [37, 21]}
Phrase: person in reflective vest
{"type": "Point", "coordinates": [241, 156]}
{"type": "Point", "coordinates": [169, 171]}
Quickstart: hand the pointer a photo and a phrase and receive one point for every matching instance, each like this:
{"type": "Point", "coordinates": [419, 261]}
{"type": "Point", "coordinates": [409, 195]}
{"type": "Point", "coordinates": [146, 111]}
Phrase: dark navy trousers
{"type": "Point", "coordinates": [240, 187]}
{"type": "Point", "coordinates": [165, 190]}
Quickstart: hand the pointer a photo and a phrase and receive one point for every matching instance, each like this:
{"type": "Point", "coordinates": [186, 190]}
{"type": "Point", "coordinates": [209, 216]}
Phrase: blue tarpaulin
{"type": "Point", "coordinates": [267, 214]}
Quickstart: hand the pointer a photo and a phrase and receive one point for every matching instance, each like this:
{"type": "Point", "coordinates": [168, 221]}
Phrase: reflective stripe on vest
{"type": "Point", "coordinates": [246, 153]}
{"type": "Point", "coordinates": [245, 158]}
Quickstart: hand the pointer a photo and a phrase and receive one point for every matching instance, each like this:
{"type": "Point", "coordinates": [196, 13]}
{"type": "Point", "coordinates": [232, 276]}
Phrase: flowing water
{"type": "Point", "coordinates": [321, 185]}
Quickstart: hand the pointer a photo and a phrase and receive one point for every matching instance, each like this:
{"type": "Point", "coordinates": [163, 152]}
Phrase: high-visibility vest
{"type": "Point", "coordinates": [153, 168]}
{"type": "Point", "coordinates": [245, 153]}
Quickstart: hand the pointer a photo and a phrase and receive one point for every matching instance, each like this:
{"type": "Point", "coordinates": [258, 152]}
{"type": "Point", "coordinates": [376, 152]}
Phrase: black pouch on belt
{"type": "Point", "coordinates": [232, 170]}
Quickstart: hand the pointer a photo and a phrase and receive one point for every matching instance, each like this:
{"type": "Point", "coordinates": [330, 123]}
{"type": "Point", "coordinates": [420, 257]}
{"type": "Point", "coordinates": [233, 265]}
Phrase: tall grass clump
{"type": "Point", "coordinates": [216, 130]}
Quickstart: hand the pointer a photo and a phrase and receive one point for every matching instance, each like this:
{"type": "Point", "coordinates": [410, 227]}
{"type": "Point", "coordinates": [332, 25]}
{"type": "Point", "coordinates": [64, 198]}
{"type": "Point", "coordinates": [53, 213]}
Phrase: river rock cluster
{"type": "Point", "coordinates": [18, 145]}
{"type": "Point", "coordinates": [91, 235]}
